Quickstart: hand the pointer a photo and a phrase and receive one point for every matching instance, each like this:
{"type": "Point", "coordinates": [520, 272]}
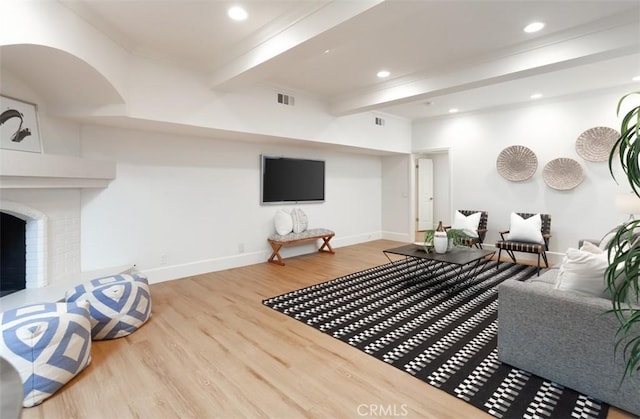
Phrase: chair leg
{"type": "Point", "coordinates": [544, 256]}
{"type": "Point", "coordinates": [512, 256]}
{"type": "Point", "coordinates": [499, 253]}
{"type": "Point", "coordinates": [538, 264]}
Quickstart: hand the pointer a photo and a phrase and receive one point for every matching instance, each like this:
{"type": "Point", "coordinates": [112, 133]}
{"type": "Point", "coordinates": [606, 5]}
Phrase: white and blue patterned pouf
{"type": "Point", "coordinates": [48, 344]}
{"type": "Point", "coordinates": [120, 304]}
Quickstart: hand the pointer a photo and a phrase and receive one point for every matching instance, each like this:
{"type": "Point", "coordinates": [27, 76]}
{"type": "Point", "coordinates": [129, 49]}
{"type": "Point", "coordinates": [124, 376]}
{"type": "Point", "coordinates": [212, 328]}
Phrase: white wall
{"type": "Point", "coordinates": [550, 129]}
{"type": "Point", "coordinates": [186, 205]}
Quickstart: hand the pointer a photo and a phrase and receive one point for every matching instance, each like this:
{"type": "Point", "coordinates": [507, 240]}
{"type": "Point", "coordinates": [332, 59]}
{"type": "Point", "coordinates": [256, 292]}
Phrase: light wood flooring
{"type": "Point", "coordinates": [211, 349]}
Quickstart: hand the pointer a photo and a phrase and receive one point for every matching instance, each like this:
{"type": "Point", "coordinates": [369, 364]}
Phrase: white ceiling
{"type": "Point", "coordinates": [466, 54]}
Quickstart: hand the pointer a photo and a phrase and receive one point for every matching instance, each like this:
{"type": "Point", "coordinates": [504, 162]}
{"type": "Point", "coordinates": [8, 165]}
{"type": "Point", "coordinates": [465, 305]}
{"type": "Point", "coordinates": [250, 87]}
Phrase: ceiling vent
{"type": "Point", "coordinates": [286, 99]}
{"type": "Point", "coordinates": [380, 122]}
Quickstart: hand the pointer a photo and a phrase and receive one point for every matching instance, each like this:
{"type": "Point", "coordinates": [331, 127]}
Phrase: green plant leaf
{"type": "Point", "coordinates": [623, 273]}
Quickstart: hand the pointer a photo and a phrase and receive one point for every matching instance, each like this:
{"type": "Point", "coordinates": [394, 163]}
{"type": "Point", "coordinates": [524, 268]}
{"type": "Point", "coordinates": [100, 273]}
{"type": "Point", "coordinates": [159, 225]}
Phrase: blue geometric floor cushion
{"type": "Point", "coordinates": [48, 344]}
{"type": "Point", "coordinates": [120, 304]}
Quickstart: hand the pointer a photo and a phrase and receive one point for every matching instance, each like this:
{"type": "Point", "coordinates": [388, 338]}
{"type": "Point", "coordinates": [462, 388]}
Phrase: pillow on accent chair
{"type": "Point", "coordinates": [283, 222]}
{"type": "Point", "coordinates": [582, 271]}
{"type": "Point", "coordinates": [300, 220]}
{"type": "Point", "coordinates": [526, 229]}
{"type": "Point", "coordinates": [120, 304]}
{"type": "Point", "coordinates": [468, 224]}
{"type": "Point", "coordinates": [48, 343]}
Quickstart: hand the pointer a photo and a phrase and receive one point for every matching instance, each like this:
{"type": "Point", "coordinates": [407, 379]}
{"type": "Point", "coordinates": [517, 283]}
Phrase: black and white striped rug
{"type": "Point", "coordinates": [437, 330]}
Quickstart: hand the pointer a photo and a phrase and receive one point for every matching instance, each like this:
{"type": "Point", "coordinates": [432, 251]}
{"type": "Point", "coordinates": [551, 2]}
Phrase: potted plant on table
{"type": "Point", "coordinates": [455, 237]}
{"type": "Point", "coordinates": [624, 251]}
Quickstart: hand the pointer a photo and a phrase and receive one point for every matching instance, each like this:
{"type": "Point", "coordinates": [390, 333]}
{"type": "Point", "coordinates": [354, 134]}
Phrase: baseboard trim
{"type": "Point", "coordinates": [168, 273]}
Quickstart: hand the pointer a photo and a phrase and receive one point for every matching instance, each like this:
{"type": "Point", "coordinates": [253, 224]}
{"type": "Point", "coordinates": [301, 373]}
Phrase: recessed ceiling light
{"type": "Point", "coordinates": [536, 96]}
{"type": "Point", "coordinates": [326, 51]}
{"type": "Point", "coordinates": [383, 73]}
{"type": "Point", "coordinates": [636, 78]}
{"type": "Point", "coordinates": [533, 27]}
{"type": "Point", "coordinates": [237, 13]}
{"type": "Point", "coordinates": [453, 110]}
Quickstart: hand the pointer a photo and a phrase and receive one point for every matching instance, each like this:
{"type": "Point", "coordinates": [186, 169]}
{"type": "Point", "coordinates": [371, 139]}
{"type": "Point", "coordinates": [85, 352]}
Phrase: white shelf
{"type": "Point", "coordinates": [19, 169]}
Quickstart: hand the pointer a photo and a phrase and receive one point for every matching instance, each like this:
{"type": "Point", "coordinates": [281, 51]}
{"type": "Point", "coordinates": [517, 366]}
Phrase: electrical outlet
{"type": "Point", "coordinates": [163, 259]}
{"type": "Point", "coordinates": [241, 248]}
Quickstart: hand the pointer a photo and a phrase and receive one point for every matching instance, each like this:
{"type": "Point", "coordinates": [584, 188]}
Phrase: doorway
{"type": "Point", "coordinates": [432, 190]}
{"type": "Point", "coordinates": [424, 181]}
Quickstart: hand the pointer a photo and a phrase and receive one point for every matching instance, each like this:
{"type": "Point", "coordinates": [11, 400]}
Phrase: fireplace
{"type": "Point", "coordinates": [23, 247]}
{"type": "Point", "coordinates": [44, 191]}
{"type": "Point", "coordinates": [13, 254]}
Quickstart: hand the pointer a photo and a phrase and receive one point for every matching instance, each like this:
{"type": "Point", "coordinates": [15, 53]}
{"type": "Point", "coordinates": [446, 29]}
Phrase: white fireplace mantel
{"type": "Point", "coordinates": [19, 169]}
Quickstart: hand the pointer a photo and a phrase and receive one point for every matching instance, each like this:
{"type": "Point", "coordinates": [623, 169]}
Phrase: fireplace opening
{"type": "Point", "coordinates": [13, 252]}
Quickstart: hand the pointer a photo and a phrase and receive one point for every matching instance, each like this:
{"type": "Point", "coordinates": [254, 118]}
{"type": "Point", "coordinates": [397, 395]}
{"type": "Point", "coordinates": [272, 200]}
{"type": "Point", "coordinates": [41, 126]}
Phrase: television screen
{"type": "Point", "coordinates": [290, 180]}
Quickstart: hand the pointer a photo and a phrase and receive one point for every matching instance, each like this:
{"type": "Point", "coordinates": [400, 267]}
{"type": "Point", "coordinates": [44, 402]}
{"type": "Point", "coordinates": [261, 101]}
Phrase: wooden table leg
{"type": "Point", "coordinates": [327, 245]}
{"type": "Point", "coordinates": [276, 253]}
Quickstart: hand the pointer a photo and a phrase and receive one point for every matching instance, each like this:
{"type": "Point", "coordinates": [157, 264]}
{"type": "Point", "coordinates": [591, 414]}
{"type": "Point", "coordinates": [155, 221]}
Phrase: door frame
{"type": "Point", "coordinates": [426, 153]}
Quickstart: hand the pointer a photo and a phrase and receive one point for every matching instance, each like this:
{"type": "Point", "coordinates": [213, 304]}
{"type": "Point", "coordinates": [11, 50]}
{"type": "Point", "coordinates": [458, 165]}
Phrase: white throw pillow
{"type": "Point", "coordinates": [467, 223]}
{"type": "Point", "coordinates": [300, 220]}
{"type": "Point", "coordinates": [283, 222]}
{"type": "Point", "coordinates": [526, 229]}
{"type": "Point", "coordinates": [582, 271]}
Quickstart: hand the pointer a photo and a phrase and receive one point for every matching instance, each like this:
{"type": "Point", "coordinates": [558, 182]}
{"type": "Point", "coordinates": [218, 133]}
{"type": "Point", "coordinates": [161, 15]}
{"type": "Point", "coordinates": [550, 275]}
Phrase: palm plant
{"type": "Point", "coordinates": [624, 251]}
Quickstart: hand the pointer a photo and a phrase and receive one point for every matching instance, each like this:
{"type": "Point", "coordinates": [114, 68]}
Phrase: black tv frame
{"type": "Point", "coordinates": [293, 178]}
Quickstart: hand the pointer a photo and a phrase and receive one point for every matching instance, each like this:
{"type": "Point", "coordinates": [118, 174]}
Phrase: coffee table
{"type": "Point", "coordinates": [465, 262]}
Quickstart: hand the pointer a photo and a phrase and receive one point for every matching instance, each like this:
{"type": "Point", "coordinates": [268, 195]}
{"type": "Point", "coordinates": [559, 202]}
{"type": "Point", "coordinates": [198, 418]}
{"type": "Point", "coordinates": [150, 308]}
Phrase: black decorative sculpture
{"type": "Point", "coordinates": [20, 133]}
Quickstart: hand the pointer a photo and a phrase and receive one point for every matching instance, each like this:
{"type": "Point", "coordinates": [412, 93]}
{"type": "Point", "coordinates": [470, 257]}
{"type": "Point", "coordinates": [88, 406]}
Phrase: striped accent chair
{"type": "Point", "coordinates": [482, 229]}
{"type": "Point", "coordinates": [511, 246]}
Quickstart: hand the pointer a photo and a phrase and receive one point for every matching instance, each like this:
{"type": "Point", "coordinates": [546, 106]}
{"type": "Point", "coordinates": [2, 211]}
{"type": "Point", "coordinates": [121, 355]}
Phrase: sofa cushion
{"type": "Point", "coordinates": [467, 223]}
{"type": "Point", "coordinates": [48, 344]}
{"type": "Point", "coordinates": [120, 304]}
{"type": "Point", "coordinates": [526, 229]}
{"type": "Point", "coordinates": [549, 277]}
{"type": "Point", "coordinates": [582, 271]}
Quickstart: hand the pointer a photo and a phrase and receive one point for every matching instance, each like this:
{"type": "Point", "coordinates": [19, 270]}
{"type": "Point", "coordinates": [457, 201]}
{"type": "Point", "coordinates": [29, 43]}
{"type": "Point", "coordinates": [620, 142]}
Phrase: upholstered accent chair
{"type": "Point", "coordinates": [525, 245]}
{"type": "Point", "coordinates": [481, 230]}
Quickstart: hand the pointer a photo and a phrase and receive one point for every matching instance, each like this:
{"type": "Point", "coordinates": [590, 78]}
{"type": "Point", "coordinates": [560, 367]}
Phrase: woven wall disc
{"type": "Point", "coordinates": [516, 163]}
{"type": "Point", "coordinates": [595, 143]}
{"type": "Point", "coordinates": [563, 174]}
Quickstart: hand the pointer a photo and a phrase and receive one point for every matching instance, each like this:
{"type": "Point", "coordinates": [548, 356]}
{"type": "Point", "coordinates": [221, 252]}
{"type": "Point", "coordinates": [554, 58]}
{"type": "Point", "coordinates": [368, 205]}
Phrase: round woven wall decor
{"type": "Point", "coordinates": [563, 174]}
{"type": "Point", "coordinates": [595, 143]}
{"type": "Point", "coordinates": [516, 163]}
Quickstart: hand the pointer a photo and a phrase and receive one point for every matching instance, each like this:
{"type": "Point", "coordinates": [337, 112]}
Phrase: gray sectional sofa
{"type": "Point", "coordinates": [564, 337]}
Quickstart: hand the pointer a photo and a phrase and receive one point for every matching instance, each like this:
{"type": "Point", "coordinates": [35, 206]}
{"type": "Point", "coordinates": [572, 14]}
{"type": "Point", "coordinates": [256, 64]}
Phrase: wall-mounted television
{"type": "Point", "coordinates": [291, 180]}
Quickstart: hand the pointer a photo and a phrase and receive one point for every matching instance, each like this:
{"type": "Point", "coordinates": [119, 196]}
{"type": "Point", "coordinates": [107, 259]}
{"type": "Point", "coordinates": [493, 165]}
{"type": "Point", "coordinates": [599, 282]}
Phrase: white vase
{"type": "Point", "coordinates": [440, 241]}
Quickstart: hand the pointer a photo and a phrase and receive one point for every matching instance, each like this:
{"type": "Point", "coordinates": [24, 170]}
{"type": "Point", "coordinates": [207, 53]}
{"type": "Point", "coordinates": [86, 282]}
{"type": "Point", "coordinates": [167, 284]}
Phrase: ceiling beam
{"type": "Point", "coordinates": [246, 68]}
{"type": "Point", "coordinates": [606, 44]}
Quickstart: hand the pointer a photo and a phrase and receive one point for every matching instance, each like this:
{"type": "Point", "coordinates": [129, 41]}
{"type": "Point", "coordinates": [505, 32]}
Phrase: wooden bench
{"type": "Point", "coordinates": [278, 241]}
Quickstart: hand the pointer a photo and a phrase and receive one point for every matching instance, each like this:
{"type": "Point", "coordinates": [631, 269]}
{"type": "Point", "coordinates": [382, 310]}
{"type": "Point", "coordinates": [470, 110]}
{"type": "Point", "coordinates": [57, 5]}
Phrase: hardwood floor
{"type": "Point", "coordinates": [211, 349]}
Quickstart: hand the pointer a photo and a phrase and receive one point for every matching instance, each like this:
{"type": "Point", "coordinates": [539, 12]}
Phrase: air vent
{"type": "Point", "coordinates": [380, 122]}
{"type": "Point", "coordinates": [286, 99]}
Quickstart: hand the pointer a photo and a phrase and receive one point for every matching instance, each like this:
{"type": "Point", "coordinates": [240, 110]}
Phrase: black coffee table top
{"type": "Point", "coordinates": [456, 256]}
